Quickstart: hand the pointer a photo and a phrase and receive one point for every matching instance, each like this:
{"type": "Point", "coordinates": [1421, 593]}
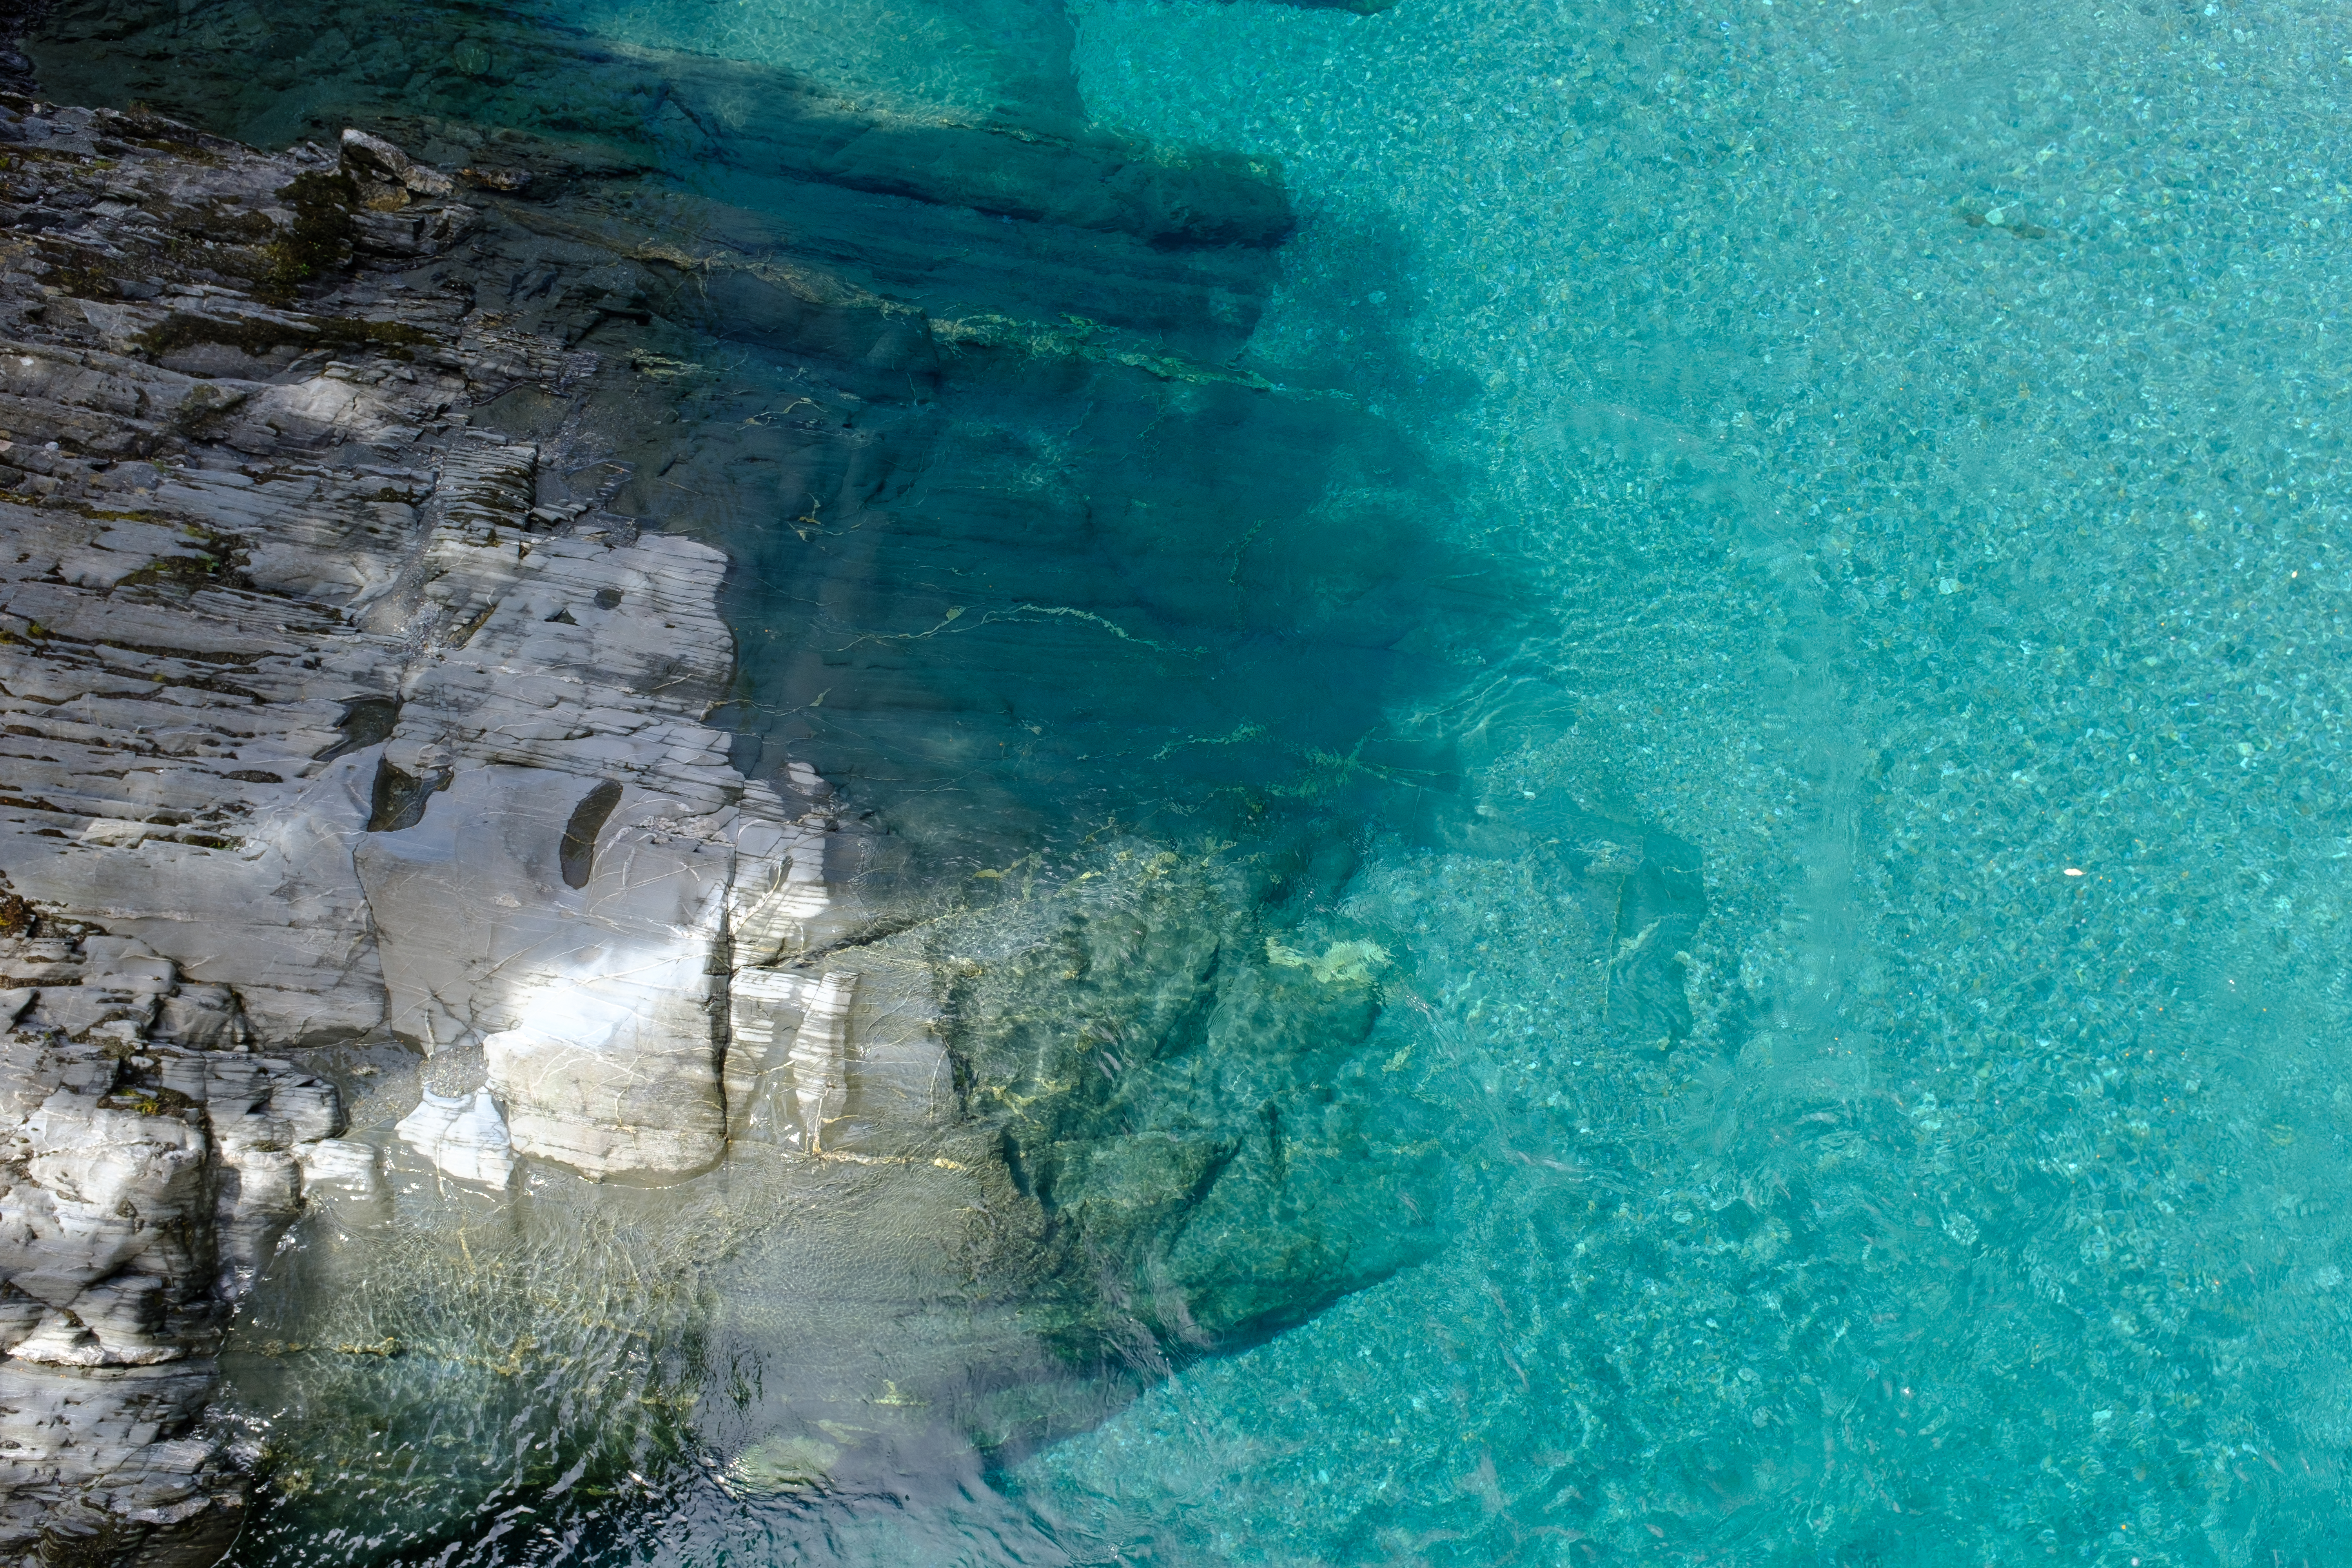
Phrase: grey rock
{"type": "Point", "coordinates": [142, 1181]}
{"type": "Point", "coordinates": [323, 722]}
{"type": "Point", "coordinates": [385, 174]}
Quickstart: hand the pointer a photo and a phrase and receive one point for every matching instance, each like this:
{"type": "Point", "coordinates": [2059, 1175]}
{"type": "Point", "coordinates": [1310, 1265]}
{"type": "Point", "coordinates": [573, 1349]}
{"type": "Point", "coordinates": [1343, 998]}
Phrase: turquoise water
{"type": "Point", "coordinates": [1894, 452]}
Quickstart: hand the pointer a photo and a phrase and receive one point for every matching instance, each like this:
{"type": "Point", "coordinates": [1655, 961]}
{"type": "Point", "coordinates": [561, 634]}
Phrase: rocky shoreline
{"type": "Point", "coordinates": [265, 600]}
{"type": "Point", "coordinates": [356, 742]}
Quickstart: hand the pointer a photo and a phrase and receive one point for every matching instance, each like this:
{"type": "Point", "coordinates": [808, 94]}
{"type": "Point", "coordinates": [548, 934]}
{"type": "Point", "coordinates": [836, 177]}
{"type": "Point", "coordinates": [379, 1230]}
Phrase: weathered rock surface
{"type": "Point", "coordinates": [321, 716]}
{"type": "Point", "coordinates": [249, 656]}
{"type": "Point", "coordinates": [148, 1164]}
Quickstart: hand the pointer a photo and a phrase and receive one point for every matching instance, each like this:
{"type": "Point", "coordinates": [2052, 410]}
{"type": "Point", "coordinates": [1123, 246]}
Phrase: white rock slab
{"type": "Point", "coordinates": [463, 1135]}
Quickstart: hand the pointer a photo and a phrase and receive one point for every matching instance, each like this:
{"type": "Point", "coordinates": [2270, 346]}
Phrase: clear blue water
{"type": "Point", "coordinates": [1898, 449]}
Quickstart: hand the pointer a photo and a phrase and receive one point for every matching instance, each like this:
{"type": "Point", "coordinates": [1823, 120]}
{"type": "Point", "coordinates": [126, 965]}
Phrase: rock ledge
{"type": "Point", "coordinates": [323, 717]}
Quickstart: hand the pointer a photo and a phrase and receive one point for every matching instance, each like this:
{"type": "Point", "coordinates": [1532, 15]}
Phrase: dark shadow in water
{"type": "Point", "coordinates": [1030, 213]}
{"type": "Point", "coordinates": [1040, 590]}
{"type": "Point", "coordinates": [1017, 553]}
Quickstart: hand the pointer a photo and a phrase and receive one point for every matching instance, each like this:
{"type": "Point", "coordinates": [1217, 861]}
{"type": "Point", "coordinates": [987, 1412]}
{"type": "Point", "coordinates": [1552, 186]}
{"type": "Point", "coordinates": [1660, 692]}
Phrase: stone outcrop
{"type": "Point", "coordinates": [322, 717]}
{"type": "Point", "coordinates": [309, 687]}
{"type": "Point", "coordinates": [463, 1135]}
{"type": "Point", "coordinates": [150, 1161]}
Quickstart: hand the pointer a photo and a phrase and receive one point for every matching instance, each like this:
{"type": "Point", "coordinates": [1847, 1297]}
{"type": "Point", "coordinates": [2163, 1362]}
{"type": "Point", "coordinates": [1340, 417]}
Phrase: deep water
{"type": "Point", "coordinates": [1773, 573]}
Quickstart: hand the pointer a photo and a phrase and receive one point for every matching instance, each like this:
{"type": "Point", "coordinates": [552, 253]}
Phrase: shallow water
{"type": "Point", "coordinates": [1893, 453]}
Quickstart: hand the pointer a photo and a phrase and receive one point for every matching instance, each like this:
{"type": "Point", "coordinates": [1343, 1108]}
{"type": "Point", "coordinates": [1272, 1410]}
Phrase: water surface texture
{"type": "Point", "coordinates": [1771, 576]}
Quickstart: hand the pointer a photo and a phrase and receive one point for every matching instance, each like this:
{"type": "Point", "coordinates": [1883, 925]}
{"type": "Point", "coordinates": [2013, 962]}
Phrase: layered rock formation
{"type": "Point", "coordinates": [262, 624]}
{"type": "Point", "coordinates": [324, 716]}
{"type": "Point", "coordinates": [151, 1163]}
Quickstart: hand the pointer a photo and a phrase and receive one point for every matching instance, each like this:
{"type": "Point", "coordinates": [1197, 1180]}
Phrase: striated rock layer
{"type": "Point", "coordinates": [321, 716]}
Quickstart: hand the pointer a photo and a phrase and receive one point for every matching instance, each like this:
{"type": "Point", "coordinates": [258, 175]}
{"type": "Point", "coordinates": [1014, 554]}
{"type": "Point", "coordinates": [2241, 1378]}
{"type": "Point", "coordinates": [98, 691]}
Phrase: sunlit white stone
{"type": "Point", "coordinates": [463, 1135]}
